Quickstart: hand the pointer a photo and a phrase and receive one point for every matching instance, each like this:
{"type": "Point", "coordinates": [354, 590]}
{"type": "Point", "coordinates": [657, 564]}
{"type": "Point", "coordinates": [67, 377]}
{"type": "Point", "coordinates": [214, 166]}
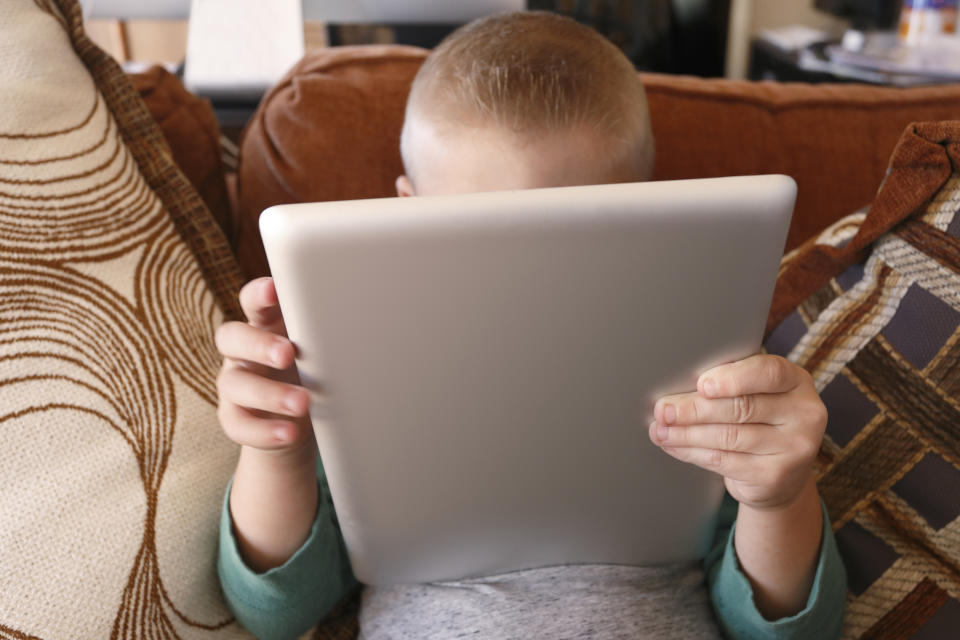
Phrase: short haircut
{"type": "Point", "coordinates": [533, 73]}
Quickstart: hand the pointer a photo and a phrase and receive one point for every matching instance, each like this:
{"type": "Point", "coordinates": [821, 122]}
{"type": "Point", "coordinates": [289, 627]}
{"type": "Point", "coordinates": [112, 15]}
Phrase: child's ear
{"type": "Point", "coordinates": [404, 187]}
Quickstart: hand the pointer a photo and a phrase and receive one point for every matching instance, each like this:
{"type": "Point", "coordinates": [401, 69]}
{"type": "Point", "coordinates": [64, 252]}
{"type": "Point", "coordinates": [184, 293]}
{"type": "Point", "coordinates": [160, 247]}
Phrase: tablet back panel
{"type": "Point", "coordinates": [490, 362]}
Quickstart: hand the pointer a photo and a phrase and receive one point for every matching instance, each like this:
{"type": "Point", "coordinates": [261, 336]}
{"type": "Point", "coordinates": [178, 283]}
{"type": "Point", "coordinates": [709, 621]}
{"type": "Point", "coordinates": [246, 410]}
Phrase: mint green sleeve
{"type": "Point", "coordinates": [732, 594]}
{"type": "Point", "coordinates": [286, 601]}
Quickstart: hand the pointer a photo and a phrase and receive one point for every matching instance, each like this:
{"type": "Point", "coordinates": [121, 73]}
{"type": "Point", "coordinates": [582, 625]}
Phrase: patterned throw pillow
{"type": "Point", "coordinates": [871, 309]}
{"type": "Point", "coordinates": [113, 277]}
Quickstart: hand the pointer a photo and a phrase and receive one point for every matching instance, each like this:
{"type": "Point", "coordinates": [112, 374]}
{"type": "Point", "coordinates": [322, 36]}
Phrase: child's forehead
{"type": "Point", "coordinates": [491, 157]}
{"type": "Point", "coordinates": [470, 133]}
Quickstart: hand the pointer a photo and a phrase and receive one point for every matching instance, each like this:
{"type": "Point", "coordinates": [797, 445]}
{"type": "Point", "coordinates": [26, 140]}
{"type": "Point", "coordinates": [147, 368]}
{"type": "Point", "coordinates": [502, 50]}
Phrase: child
{"type": "Point", "coordinates": [530, 100]}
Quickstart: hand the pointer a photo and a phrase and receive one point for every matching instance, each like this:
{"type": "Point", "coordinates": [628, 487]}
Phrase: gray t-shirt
{"type": "Point", "coordinates": [581, 601]}
{"type": "Point", "coordinates": [589, 601]}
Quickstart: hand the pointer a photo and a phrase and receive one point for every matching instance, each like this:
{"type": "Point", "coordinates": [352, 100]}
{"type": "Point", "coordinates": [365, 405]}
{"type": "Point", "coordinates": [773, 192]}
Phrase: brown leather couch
{"type": "Point", "coordinates": [330, 131]}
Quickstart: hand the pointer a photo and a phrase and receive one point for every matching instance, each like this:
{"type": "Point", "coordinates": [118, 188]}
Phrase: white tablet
{"type": "Point", "coordinates": [489, 364]}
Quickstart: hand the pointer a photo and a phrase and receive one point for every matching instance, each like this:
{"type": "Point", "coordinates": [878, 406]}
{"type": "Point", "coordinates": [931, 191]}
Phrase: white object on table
{"type": "Point", "coordinates": [937, 58]}
{"type": "Point", "coordinates": [239, 48]}
{"type": "Point", "coordinates": [792, 38]}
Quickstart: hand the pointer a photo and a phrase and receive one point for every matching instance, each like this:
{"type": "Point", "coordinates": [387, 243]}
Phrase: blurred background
{"type": "Point", "coordinates": [232, 51]}
{"type": "Point", "coordinates": [673, 36]}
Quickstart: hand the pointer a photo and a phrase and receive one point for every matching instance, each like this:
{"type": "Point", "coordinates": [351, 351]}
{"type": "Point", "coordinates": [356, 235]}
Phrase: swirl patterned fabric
{"type": "Point", "coordinates": [880, 334]}
{"type": "Point", "coordinates": [113, 278]}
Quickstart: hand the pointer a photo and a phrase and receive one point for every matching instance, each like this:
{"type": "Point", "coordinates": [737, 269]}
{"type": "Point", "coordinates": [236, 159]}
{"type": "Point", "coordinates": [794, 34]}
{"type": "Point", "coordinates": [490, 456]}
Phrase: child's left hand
{"type": "Point", "coordinates": [757, 422]}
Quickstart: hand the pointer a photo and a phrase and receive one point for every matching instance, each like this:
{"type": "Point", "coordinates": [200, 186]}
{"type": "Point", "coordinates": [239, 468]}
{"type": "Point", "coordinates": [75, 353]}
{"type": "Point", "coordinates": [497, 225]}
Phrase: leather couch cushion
{"type": "Point", "coordinates": [330, 131]}
{"type": "Point", "coordinates": [835, 140]}
{"type": "Point", "coordinates": [190, 129]}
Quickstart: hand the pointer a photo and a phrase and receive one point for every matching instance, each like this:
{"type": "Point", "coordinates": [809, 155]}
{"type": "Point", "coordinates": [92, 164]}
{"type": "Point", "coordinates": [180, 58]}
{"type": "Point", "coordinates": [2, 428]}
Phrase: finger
{"type": "Point", "coordinates": [730, 464]}
{"type": "Point", "coordinates": [258, 299]}
{"type": "Point", "coordinates": [761, 373]}
{"type": "Point", "coordinates": [241, 341]}
{"type": "Point", "coordinates": [754, 439]}
{"type": "Point", "coordinates": [256, 430]}
{"type": "Point", "coordinates": [251, 391]}
{"type": "Point", "coordinates": [692, 408]}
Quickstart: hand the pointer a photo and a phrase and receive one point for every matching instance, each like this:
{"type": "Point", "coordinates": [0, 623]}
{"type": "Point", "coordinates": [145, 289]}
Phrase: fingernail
{"type": "Point", "coordinates": [669, 413]}
{"type": "Point", "coordinates": [280, 434]}
{"type": "Point", "coordinates": [661, 433]}
{"type": "Point", "coordinates": [709, 387]}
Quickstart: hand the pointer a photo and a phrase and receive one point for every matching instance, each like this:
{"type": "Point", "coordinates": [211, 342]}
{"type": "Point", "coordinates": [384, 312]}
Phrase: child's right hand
{"type": "Point", "coordinates": [261, 403]}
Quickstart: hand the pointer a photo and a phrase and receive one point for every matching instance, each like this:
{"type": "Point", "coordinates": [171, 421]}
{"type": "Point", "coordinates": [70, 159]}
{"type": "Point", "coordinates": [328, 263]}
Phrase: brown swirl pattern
{"type": "Point", "coordinates": [112, 282]}
{"type": "Point", "coordinates": [180, 312]}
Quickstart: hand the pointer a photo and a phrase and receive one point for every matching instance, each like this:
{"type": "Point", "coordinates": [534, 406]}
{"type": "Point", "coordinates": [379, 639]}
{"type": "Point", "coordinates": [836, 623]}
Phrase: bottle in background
{"type": "Point", "coordinates": [922, 19]}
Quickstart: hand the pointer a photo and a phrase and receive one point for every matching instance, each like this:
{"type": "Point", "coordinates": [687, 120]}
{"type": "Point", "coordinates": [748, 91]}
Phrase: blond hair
{"type": "Point", "coordinates": [533, 73]}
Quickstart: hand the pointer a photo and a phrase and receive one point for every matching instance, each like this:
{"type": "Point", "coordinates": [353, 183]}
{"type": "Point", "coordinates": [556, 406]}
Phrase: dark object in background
{"type": "Point", "coordinates": [769, 62]}
{"type": "Point", "coordinates": [864, 14]}
{"type": "Point", "coordinates": [654, 34]}
{"type": "Point", "coordinates": [419, 35]}
{"type": "Point", "coordinates": [642, 29]}
{"type": "Point", "coordinates": [701, 39]}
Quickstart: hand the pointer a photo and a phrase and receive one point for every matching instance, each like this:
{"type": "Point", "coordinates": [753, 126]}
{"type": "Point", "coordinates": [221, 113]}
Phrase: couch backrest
{"type": "Point", "coordinates": [330, 131]}
{"type": "Point", "coordinates": [835, 140]}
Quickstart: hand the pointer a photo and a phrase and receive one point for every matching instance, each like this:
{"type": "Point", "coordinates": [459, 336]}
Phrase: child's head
{"type": "Point", "coordinates": [524, 100]}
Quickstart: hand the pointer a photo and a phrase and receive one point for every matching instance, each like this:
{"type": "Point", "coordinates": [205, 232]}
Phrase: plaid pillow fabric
{"type": "Point", "coordinates": [871, 309]}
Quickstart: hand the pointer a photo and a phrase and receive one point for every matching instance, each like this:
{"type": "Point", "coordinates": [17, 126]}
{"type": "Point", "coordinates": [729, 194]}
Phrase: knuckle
{"type": "Point", "coordinates": [808, 449]}
{"type": "Point", "coordinates": [716, 458]}
{"type": "Point", "coordinates": [730, 437]}
{"type": "Point", "coordinates": [696, 410]}
{"type": "Point", "coordinates": [818, 414]}
{"type": "Point", "coordinates": [774, 371]}
{"type": "Point", "coordinates": [743, 408]}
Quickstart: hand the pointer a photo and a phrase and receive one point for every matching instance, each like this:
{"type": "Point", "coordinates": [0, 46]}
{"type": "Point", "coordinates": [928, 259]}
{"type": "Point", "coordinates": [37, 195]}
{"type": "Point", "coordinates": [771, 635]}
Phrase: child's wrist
{"type": "Point", "coordinates": [298, 460]}
{"type": "Point", "coordinates": [778, 551]}
{"type": "Point", "coordinates": [273, 504]}
{"type": "Point", "coordinates": [798, 501]}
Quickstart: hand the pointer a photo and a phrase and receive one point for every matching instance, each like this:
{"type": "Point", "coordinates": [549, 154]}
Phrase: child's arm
{"type": "Point", "coordinates": [734, 599]}
{"type": "Point", "coordinates": [778, 550]}
{"type": "Point", "coordinates": [273, 500]}
{"type": "Point", "coordinates": [758, 422]}
{"type": "Point", "coordinates": [281, 559]}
